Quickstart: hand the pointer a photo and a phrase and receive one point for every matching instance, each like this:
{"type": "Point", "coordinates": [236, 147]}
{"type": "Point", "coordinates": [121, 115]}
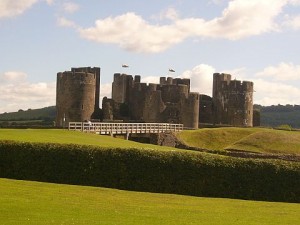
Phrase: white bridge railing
{"type": "Point", "coordinates": [124, 128]}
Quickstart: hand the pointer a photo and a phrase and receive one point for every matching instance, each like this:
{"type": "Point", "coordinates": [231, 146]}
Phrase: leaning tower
{"type": "Point", "coordinates": [77, 95]}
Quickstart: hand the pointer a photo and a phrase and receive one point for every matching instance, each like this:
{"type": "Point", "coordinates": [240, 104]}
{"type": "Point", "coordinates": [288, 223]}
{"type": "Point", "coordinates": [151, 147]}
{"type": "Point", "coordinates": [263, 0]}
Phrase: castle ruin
{"type": "Point", "coordinates": [232, 101]}
{"type": "Point", "coordinates": [77, 95]}
{"type": "Point", "coordinates": [170, 101]}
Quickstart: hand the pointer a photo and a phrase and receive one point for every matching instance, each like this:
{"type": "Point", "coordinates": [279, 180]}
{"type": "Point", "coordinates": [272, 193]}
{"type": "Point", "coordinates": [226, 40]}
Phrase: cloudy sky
{"type": "Point", "coordinates": [256, 40]}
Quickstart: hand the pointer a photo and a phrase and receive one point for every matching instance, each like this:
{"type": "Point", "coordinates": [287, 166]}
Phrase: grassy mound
{"type": "Point", "coordinates": [216, 139]}
{"type": "Point", "coordinates": [24, 202]}
{"type": "Point", "coordinates": [244, 139]}
{"type": "Point", "coordinates": [270, 141]}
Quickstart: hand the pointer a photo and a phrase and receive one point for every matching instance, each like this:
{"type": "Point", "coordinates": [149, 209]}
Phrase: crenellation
{"type": "Point", "coordinates": [163, 102]}
{"type": "Point", "coordinates": [162, 80]}
{"type": "Point", "coordinates": [169, 80]}
{"type": "Point", "coordinates": [137, 79]}
{"type": "Point", "coordinates": [168, 101]}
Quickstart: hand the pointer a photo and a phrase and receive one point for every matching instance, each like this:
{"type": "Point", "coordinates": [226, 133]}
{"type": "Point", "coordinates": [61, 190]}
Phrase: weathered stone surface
{"type": "Point", "coordinates": [232, 101]}
{"type": "Point", "coordinates": [77, 95]}
{"type": "Point", "coordinates": [170, 101]}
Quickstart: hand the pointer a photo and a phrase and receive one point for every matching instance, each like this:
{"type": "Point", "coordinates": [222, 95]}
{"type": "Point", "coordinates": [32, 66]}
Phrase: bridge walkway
{"type": "Point", "coordinates": [124, 128]}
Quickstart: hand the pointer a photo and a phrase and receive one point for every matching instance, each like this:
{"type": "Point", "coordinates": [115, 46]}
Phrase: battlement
{"type": "Point", "coordinates": [137, 79]}
{"type": "Point", "coordinates": [236, 86]}
{"type": "Point", "coordinates": [70, 78]}
{"type": "Point", "coordinates": [86, 69]}
{"type": "Point", "coordinates": [174, 81]}
{"type": "Point", "coordinates": [222, 76]}
{"type": "Point", "coordinates": [121, 75]}
{"type": "Point", "coordinates": [80, 72]}
{"type": "Point", "coordinates": [223, 82]}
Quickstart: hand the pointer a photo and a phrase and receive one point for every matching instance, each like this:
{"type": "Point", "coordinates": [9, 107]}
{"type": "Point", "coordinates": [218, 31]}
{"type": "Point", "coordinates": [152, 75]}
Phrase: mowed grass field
{"type": "Point", "coordinates": [70, 137]}
{"type": "Point", "coordinates": [244, 139]}
{"type": "Point", "coordinates": [26, 202]}
{"type": "Point", "coordinates": [261, 140]}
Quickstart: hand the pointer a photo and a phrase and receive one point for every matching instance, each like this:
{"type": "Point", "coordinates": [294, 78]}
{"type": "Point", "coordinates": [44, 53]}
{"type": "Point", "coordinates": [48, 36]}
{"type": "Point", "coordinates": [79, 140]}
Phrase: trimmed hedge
{"type": "Point", "coordinates": [178, 172]}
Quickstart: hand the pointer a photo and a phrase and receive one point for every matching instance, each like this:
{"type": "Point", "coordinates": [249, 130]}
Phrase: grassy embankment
{"type": "Point", "coordinates": [24, 202]}
{"type": "Point", "coordinates": [244, 139]}
{"type": "Point", "coordinates": [70, 137]}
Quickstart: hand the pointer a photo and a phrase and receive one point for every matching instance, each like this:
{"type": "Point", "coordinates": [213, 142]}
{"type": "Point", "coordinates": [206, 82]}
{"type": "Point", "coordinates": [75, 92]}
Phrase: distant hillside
{"type": "Point", "coordinates": [277, 115]}
{"type": "Point", "coordinates": [44, 114]}
{"type": "Point", "coordinates": [271, 116]}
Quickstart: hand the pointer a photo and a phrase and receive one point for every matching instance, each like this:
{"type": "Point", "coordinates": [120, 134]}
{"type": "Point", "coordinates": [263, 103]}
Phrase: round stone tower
{"type": "Point", "coordinates": [77, 95]}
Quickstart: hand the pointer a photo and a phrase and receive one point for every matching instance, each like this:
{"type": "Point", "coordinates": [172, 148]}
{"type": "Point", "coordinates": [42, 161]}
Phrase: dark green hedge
{"type": "Point", "coordinates": [179, 172]}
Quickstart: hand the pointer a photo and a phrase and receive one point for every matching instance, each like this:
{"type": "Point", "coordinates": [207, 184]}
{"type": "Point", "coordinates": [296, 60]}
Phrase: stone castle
{"type": "Point", "coordinates": [170, 101]}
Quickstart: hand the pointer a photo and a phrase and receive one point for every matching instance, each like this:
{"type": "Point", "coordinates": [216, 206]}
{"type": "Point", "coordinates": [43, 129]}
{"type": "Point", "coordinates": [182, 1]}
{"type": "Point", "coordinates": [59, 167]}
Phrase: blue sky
{"type": "Point", "coordinates": [256, 40]}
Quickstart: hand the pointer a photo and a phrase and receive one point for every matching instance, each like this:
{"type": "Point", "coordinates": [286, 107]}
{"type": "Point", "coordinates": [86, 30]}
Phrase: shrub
{"type": "Point", "coordinates": [178, 172]}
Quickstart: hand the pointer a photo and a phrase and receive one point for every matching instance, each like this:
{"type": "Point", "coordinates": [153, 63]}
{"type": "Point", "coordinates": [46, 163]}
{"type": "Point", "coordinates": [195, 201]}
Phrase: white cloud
{"type": "Point", "coordinates": [133, 33]}
{"type": "Point", "coordinates": [50, 2]}
{"type": "Point", "coordinates": [11, 8]}
{"type": "Point", "coordinates": [218, 2]}
{"type": "Point", "coordinates": [273, 93]}
{"type": "Point", "coordinates": [240, 19]}
{"type": "Point", "coordinates": [70, 7]}
{"type": "Point", "coordinates": [294, 2]}
{"type": "Point", "coordinates": [13, 76]}
{"type": "Point", "coordinates": [292, 22]}
{"type": "Point", "coordinates": [170, 14]}
{"type": "Point", "coordinates": [282, 72]}
{"type": "Point", "coordinates": [17, 93]}
{"type": "Point", "coordinates": [63, 22]}
{"type": "Point", "coordinates": [105, 90]}
{"type": "Point", "coordinates": [201, 77]}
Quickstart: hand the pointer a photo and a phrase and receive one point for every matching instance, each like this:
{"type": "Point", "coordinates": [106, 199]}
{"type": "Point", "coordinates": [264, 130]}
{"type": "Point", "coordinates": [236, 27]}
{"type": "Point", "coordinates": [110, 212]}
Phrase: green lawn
{"type": "Point", "coordinates": [25, 202]}
{"type": "Point", "coordinates": [270, 141]}
{"type": "Point", "coordinates": [245, 139]}
{"type": "Point", "coordinates": [70, 137]}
